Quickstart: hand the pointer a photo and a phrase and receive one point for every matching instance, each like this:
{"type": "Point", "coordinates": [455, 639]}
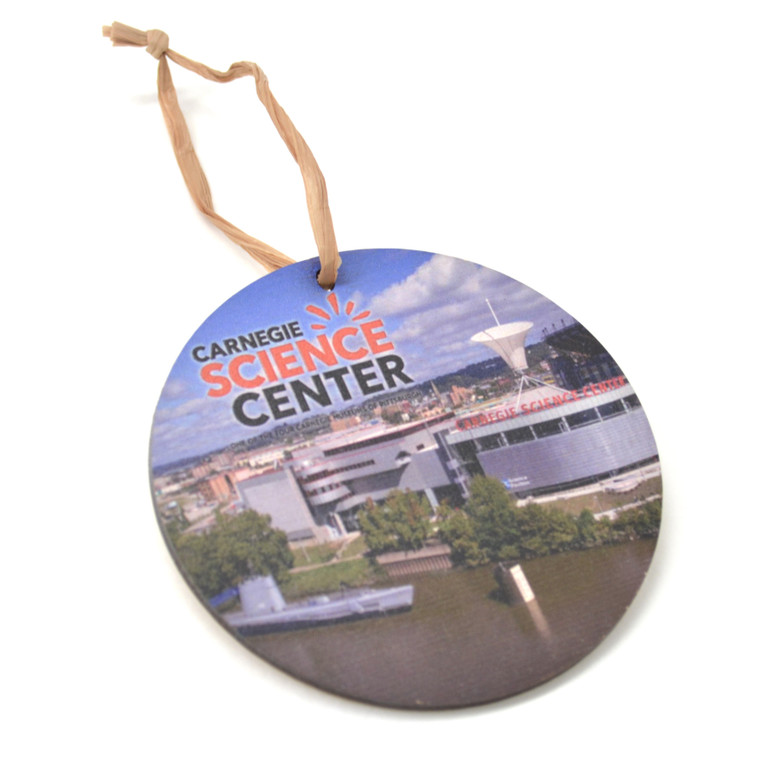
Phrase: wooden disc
{"type": "Point", "coordinates": [427, 488]}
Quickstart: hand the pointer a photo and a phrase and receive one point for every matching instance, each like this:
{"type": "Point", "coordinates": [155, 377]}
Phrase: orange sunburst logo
{"type": "Point", "coordinates": [332, 299]}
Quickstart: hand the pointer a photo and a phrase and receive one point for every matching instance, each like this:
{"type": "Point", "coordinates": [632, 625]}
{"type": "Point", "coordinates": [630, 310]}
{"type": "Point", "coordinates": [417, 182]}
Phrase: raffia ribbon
{"type": "Point", "coordinates": [157, 44]}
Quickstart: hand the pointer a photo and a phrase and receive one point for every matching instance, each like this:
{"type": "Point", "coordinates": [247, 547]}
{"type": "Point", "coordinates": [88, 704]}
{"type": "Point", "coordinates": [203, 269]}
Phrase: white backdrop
{"type": "Point", "coordinates": [604, 154]}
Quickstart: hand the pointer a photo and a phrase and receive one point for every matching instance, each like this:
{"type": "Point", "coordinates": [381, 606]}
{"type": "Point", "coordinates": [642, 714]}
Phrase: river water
{"type": "Point", "coordinates": [461, 645]}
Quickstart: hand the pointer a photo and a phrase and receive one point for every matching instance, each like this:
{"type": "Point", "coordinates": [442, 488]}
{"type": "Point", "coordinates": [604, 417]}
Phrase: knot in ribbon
{"type": "Point", "coordinates": [154, 40]}
{"type": "Point", "coordinates": [157, 42]}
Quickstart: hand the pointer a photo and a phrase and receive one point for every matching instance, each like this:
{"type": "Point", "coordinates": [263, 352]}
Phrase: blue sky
{"type": "Point", "coordinates": [431, 306]}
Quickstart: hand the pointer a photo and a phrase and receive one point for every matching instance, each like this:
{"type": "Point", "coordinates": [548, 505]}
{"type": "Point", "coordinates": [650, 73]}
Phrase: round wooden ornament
{"type": "Point", "coordinates": [418, 484]}
{"type": "Point", "coordinates": [428, 487]}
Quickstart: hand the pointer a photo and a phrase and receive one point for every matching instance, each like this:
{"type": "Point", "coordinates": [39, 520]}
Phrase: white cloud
{"type": "Point", "coordinates": [196, 425]}
{"type": "Point", "coordinates": [174, 390]}
{"type": "Point", "coordinates": [187, 409]}
{"type": "Point", "coordinates": [443, 304]}
{"type": "Point", "coordinates": [436, 281]}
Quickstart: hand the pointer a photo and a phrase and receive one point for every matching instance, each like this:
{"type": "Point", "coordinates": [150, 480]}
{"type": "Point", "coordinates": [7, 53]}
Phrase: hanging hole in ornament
{"type": "Point", "coordinates": [326, 287]}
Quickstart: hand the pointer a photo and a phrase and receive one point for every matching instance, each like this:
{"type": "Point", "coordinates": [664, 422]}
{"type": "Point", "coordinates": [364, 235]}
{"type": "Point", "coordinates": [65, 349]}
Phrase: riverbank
{"type": "Point", "coordinates": [459, 644]}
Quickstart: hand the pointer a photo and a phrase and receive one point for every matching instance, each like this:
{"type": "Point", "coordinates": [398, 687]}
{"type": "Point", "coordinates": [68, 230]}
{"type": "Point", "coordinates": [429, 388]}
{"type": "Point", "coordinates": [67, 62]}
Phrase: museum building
{"type": "Point", "coordinates": [560, 448]}
{"type": "Point", "coordinates": [546, 438]}
{"type": "Point", "coordinates": [539, 440]}
{"type": "Point", "coordinates": [318, 493]}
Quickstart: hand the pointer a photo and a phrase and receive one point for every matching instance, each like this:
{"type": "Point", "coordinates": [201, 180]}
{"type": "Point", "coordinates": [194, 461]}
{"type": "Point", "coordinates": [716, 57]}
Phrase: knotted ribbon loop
{"type": "Point", "coordinates": [157, 44]}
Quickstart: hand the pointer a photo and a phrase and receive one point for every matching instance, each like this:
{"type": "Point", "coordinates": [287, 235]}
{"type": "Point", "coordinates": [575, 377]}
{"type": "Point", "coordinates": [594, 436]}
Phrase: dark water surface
{"type": "Point", "coordinates": [460, 645]}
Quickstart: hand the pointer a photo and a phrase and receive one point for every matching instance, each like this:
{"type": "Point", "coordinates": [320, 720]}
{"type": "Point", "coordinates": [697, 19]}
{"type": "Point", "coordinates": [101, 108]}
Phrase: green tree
{"type": "Point", "coordinates": [494, 518]}
{"type": "Point", "coordinates": [605, 531]}
{"type": "Point", "coordinates": [587, 531]}
{"type": "Point", "coordinates": [456, 529]}
{"type": "Point", "coordinates": [561, 531]}
{"type": "Point", "coordinates": [376, 527]}
{"type": "Point", "coordinates": [198, 558]}
{"type": "Point", "coordinates": [410, 518]}
{"type": "Point", "coordinates": [650, 516]}
{"type": "Point", "coordinates": [401, 523]}
{"type": "Point", "coordinates": [175, 525]}
{"type": "Point", "coordinates": [236, 548]}
{"type": "Point", "coordinates": [534, 526]}
{"type": "Point", "coordinates": [641, 522]}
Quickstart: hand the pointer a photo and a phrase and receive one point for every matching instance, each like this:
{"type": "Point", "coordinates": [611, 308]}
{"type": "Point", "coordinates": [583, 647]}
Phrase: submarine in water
{"type": "Point", "coordinates": [264, 610]}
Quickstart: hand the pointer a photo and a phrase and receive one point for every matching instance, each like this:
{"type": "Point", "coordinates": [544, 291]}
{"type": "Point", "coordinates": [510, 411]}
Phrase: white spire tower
{"type": "Point", "coordinates": [508, 341]}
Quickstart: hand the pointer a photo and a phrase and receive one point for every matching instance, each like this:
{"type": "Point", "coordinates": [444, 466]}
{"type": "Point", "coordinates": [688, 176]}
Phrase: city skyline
{"type": "Point", "coordinates": [430, 305]}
